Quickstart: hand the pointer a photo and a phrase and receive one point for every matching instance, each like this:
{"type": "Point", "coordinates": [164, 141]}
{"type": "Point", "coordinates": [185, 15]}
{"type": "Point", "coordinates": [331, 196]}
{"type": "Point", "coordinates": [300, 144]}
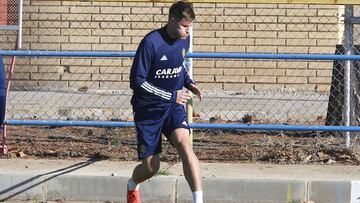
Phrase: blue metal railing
{"type": "Point", "coordinates": [189, 55]}
{"type": "Point", "coordinates": [269, 127]}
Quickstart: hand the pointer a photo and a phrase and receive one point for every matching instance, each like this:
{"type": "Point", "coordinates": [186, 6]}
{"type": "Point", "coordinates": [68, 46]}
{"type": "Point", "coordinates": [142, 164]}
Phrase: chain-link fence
{"type": "Point", "coordinates": [235, 90]}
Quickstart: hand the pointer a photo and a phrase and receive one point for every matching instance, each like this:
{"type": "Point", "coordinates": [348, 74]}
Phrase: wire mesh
{"type": "Point", "coordinates": [235, 90]}
{"type": "Point", "coordinates": [9, 12]}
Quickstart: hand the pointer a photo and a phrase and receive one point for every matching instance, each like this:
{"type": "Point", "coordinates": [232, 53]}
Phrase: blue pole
{"type": "Point", "coordinates": [189, 55]}
{"type": "Point", "coordinates": [59, 123]}
{"type": "Point", "coordinates": [275, 56]}
{"type": "Point", "coordinates": [262, 127]}
{"type": "Point", "coordinates": [67, 54]}
{"type": "Point", "coordinates": [273, 127]}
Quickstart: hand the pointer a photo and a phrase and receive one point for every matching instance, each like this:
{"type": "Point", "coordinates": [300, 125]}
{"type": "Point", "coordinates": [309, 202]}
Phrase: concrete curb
{"type": "Point", "coordinates": [169, 189]}
{"type": "Point", "coordinates": [330, 191]}
{"type": "Point", "coordinates": [246, 190]}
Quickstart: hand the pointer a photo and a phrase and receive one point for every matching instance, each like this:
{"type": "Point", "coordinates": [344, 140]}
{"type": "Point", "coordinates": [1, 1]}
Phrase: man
{"type": "Point", "coordinates": [157, 79]}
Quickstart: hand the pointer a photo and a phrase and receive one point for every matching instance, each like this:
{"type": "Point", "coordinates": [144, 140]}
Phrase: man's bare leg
{"type": "Point", "coordinates": [181, 141]}
{"type": "Point", "coordinates": [147, 169]}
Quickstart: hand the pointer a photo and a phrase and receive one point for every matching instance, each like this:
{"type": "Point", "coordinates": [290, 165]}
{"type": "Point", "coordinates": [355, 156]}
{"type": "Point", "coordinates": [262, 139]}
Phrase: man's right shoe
{"type": "Point", "coordinates": [133, 196]}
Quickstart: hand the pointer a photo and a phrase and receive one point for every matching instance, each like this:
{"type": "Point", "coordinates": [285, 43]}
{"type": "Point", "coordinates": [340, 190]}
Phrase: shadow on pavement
{"type": "Point", "coordinates": [53, 174]}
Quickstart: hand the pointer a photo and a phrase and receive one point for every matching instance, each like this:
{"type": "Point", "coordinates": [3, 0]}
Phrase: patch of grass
{"type": "Point", "coordinates": [162, 173]}
{"type": "Point", "coordinates": [115, 141]}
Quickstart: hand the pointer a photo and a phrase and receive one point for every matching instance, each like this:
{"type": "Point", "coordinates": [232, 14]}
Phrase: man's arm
{"type": "Point", "coordinates": [195, 90]}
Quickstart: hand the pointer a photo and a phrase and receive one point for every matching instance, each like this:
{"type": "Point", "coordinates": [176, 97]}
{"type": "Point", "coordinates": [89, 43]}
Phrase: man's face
{"type": "Point", "coordinates": [181, 29]}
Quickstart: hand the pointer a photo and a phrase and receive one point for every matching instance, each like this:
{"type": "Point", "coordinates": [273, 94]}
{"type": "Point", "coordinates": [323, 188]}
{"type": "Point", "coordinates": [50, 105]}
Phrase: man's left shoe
{"type": "Point", "coordinates": [133, 196]}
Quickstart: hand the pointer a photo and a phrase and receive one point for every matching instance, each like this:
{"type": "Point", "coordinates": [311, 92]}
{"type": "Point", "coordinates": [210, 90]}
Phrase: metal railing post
{"type": "Point", "coordinates": [348, 44]}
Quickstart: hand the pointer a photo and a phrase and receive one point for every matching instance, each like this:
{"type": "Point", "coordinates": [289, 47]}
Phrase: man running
{"type": "Point", "coordinates": [157, 79]}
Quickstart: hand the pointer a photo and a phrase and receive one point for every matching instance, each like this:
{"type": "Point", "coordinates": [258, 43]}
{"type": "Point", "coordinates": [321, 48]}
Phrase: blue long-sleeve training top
{"type": "Point", "coordinates": [158, 69]}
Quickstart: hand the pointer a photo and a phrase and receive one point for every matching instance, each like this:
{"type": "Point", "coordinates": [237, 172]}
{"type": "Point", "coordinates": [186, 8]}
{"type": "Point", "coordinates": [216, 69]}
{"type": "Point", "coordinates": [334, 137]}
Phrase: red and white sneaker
{"type": "Point", "coordinates": [133, 196]}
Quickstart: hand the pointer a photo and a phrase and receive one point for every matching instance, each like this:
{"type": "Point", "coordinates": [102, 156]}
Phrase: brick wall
{"type": "Point", "coordinates": [119, 26]}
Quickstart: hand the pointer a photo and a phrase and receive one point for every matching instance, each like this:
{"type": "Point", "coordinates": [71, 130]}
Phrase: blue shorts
{"type": "Point", "coordinates": [152, 122]}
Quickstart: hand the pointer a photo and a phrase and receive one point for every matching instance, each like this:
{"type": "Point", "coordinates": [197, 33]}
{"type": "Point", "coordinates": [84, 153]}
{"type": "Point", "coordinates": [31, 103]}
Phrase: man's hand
{"type": "Point", "coordinates": [195, 90]}
{"type": "Point", "coordinates": [182, 97]}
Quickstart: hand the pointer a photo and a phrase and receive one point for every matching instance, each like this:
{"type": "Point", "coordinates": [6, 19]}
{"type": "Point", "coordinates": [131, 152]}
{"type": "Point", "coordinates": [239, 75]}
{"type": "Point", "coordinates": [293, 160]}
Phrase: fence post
{"type": "Point", "coordinates": [348, 43]}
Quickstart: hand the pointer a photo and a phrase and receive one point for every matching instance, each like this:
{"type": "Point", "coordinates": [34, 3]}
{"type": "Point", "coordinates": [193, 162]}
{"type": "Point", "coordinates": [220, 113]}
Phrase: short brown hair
{"type": "Point", "coordinates": [181, 10]}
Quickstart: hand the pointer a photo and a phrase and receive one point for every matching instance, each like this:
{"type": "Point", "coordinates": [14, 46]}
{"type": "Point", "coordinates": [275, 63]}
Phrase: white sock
{"type": "Point", "coordinates": [198, 197]}
{"type": "Point", "coordinates": [132, 186]}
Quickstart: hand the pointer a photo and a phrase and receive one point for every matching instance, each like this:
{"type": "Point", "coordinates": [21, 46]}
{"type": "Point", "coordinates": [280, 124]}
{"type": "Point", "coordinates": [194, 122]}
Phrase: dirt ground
{"type": "Point", "coordinates": [209, 145]}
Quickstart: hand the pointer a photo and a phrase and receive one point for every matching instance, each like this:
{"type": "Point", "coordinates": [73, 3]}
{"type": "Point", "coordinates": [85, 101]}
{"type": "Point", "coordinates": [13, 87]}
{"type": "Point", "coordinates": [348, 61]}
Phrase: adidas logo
{"type": "Point", "coordinates": [163, 58]}
{"type": "Point", "coordinates": [184, 123]}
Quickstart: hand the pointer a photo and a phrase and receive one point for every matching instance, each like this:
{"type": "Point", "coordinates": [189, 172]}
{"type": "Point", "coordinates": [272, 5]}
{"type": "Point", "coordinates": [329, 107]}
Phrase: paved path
{"type": "Point", "coordinates": [101, 181]}
{"type": "Point", "coordinates": [209, 170]}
